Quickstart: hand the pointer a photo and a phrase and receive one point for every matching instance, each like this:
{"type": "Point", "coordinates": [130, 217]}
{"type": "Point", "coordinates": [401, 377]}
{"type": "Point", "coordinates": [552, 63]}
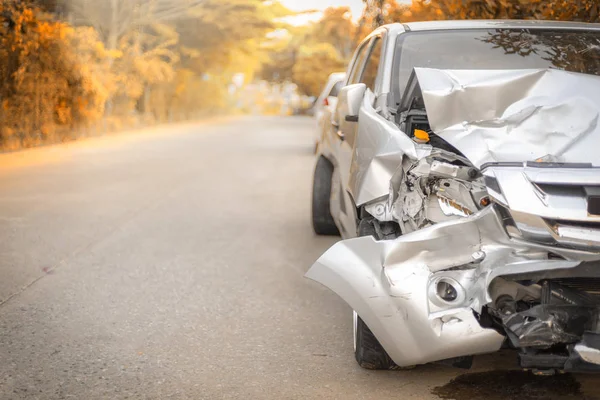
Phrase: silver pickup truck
{"type": "Point", "coordinates": [462, 169]}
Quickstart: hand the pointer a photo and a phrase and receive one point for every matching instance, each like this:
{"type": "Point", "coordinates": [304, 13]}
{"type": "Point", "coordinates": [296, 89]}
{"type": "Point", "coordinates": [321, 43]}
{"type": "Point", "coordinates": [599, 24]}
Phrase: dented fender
{"type": "Point", "coordinates": [386, 283]}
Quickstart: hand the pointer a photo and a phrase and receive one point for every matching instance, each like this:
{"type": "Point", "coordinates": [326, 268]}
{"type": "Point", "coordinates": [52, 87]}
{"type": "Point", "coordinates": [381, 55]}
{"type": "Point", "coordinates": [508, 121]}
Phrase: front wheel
{"type": "Point", "coordinates": [369, 353]}
{"type": "Point", "coordinates": [367, 350]}
{"type": "Point", "coordinates": [322, 219]}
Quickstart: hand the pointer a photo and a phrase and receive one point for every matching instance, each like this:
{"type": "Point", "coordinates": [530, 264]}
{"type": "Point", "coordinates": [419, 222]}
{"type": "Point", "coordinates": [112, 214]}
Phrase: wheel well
{"type": "Point", "coordinates": [323, 157]}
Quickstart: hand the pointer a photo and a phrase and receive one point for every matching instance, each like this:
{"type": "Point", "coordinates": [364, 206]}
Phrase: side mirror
{"type": "Point", "coordinates": [349, 100]}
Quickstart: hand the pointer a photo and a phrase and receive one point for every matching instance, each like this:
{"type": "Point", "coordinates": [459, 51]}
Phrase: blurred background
{"type": "Point", "coordinates": [169, 263]}
{"type": "Point", "coordinates": [72, 68]}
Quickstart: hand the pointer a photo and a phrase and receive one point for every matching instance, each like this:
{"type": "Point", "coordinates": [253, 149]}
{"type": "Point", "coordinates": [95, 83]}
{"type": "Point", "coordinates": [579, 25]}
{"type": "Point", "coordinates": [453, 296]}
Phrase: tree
{"type": "Point", "coordinates": [214, 46]}
{"type": "Point", "coordinates": [282, 53]}
{"type": "Point", "coordinates": [570, 51]}
{"type": "Point", "coordinates": [212, 35]}
{"type": "Point", "coordinates": [139, 30]}
{"type": "Point", "coordinates": [306, 55]}
{"type": "Point", "coordinates": [115, 18]}
{"type": "Point", "coordinates": [313, 65]}
{"type": "Point", "coordinates": [152, 39]}
{"type": "Point", "coordinates": [336, 28]}
{"type": "Point", "coordinates": [161, 59]}
{"type": "Point", "coordinates": [379, 12]}
{"type": "Point", "coordinates": [45, 90]}
{"type": "Point", "coordinates": [570, 10]}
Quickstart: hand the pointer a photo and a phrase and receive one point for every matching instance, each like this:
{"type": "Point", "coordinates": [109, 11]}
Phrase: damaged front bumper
{"type": "Point", "coordinates": [457, 288]}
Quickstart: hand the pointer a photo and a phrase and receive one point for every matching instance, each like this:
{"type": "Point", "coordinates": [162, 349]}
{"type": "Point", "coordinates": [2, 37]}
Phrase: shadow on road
{"type": "Point", "coordinates": [509, 385]}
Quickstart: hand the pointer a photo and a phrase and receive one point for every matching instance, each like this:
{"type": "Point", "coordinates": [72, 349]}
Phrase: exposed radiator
{"type": "Point", "coordinates": [588, 285]}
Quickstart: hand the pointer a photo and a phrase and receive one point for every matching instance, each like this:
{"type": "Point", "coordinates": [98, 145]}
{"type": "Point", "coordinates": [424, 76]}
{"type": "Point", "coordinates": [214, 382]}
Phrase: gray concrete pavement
{"type": "Point", "coordinates": [169, 264]}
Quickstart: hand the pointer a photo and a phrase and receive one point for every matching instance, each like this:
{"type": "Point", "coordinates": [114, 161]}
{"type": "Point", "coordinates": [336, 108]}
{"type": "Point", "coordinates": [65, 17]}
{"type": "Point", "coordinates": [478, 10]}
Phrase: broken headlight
{"type": "Point", "coordinates": [460, 198]}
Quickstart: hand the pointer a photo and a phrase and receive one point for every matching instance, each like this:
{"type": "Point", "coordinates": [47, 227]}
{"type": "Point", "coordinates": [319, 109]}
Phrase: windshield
{"type": "Point", "coordinates": [574, 51]}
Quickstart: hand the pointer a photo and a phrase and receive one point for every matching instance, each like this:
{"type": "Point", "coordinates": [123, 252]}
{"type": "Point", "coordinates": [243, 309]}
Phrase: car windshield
{"type": "Point", "coordinates": [576, 51]}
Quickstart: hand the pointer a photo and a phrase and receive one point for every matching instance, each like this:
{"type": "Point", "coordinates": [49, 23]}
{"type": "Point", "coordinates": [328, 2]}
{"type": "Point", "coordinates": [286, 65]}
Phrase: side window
{"type": "Point", "coordinates": [370, 71]}
{"type": "Point", "coordinates": [358, 63]}
{"type": "Point", "coordinates": [336, 89]}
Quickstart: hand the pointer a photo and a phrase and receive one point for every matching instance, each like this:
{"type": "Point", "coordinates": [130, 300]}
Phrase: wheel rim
{"type": "Point", "coordinates": [354, 326]}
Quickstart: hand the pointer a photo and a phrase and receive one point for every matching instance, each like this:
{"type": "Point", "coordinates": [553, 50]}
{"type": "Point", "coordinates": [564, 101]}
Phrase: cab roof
{"type": "Point", "coordinates": [493, 24]}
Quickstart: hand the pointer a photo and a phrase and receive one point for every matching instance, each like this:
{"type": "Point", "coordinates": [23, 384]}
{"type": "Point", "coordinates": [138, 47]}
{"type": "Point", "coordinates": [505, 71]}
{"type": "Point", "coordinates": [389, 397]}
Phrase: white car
{"type": "Point", "coordinates": [327, 101]}
{"type": "Point", "coordinates": [461, 168]}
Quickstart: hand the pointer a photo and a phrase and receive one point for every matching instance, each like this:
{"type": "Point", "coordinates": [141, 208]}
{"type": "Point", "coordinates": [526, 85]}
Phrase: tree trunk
{"type": "Point", "coordinates": [147, 92]}
{"type": "Point", "coordinates": [112, 39]}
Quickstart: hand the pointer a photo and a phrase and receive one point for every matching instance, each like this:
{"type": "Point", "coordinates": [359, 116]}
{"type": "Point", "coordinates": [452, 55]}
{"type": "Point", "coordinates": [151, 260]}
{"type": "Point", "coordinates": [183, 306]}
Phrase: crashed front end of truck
{"type": "Point", "coordinates": [498, 201]}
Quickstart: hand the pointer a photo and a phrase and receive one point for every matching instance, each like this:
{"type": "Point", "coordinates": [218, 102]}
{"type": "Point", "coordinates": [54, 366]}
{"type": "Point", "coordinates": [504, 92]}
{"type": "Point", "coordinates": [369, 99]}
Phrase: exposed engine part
{"type": "Point", "coordinates": [555, 293]}
{"type": "Point", "coordinates": [584, 277]}
{"type": "Point", "coordinates": [414, 119]}
{"type": "Point", "coordinates": [441, 164]}
{"type": "Point", "coordinates": [582, 357]}
{"type": "Point", "coordinates": [510, 297]}
{"type": "Point", "coordinates": [450, 207]}
{"type": "Point", "coordinates": [435, 189]}
{"type": "Point", "coordinates": [543, 326]}
{"type": "Point", "coordinates": [502, 288]}
{"type": "Point", "coordinates": [370, 226]}
{"type": "Point", "coordinates": [542, 315]}
{"type": "Point", "coordinates": [506, 305]}
{"type": "Point", "coordinates": [409, 208]}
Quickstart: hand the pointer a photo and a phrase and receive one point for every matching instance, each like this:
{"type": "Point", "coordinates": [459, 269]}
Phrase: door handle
{"type": "Point", "coordinates": [340, 134]}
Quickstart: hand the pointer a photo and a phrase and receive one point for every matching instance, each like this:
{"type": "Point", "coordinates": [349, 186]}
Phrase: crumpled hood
{"type": "Point", "coordinates": [515, 115]}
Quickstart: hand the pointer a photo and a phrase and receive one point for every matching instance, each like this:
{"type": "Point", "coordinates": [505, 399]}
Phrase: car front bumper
{"type": "Point", "coordinates": [390, 283]}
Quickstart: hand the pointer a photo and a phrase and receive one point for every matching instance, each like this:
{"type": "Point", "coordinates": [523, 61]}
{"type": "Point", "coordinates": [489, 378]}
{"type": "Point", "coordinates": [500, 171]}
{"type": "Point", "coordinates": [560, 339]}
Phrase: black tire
{"type": "Point", "coordinates": [368, 351]}
{"type": "Point", "coordinates": [322, 220]}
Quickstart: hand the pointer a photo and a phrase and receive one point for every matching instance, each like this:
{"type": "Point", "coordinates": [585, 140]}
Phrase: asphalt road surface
{"type": "Point", "coordinates": [169, 264]}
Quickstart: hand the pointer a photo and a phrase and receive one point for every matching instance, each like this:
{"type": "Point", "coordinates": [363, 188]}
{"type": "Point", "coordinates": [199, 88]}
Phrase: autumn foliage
{"type": "Point", "coordinates": [120, 63]}
{"type": "Point", "coordinates": [77, 67]}
{"type": "Point", "coordinates": [387, 11]}
{"type": "Point", "coordinates": [307, 54]}
{"type": "Point", "coordinates": [311, 52]}
{"type": "Point", "coordinates": [44, 88]}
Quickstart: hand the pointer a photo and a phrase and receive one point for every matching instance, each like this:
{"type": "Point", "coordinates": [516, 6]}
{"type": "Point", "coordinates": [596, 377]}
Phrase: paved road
{"type": "Point", "coordinates": [169, 264]}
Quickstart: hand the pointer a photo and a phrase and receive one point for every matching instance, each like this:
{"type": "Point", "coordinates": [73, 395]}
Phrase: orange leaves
{"type": "Point", "coordinates": [62, 112]}
{"type": "Point", "coordinates": [422, 10]}
{"type": "Point", "coordinates": [312, 63]}
{"type": "Point", "coordinates": [46, 82]}
{"type": "Point", "coordinates": [134, 57]}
